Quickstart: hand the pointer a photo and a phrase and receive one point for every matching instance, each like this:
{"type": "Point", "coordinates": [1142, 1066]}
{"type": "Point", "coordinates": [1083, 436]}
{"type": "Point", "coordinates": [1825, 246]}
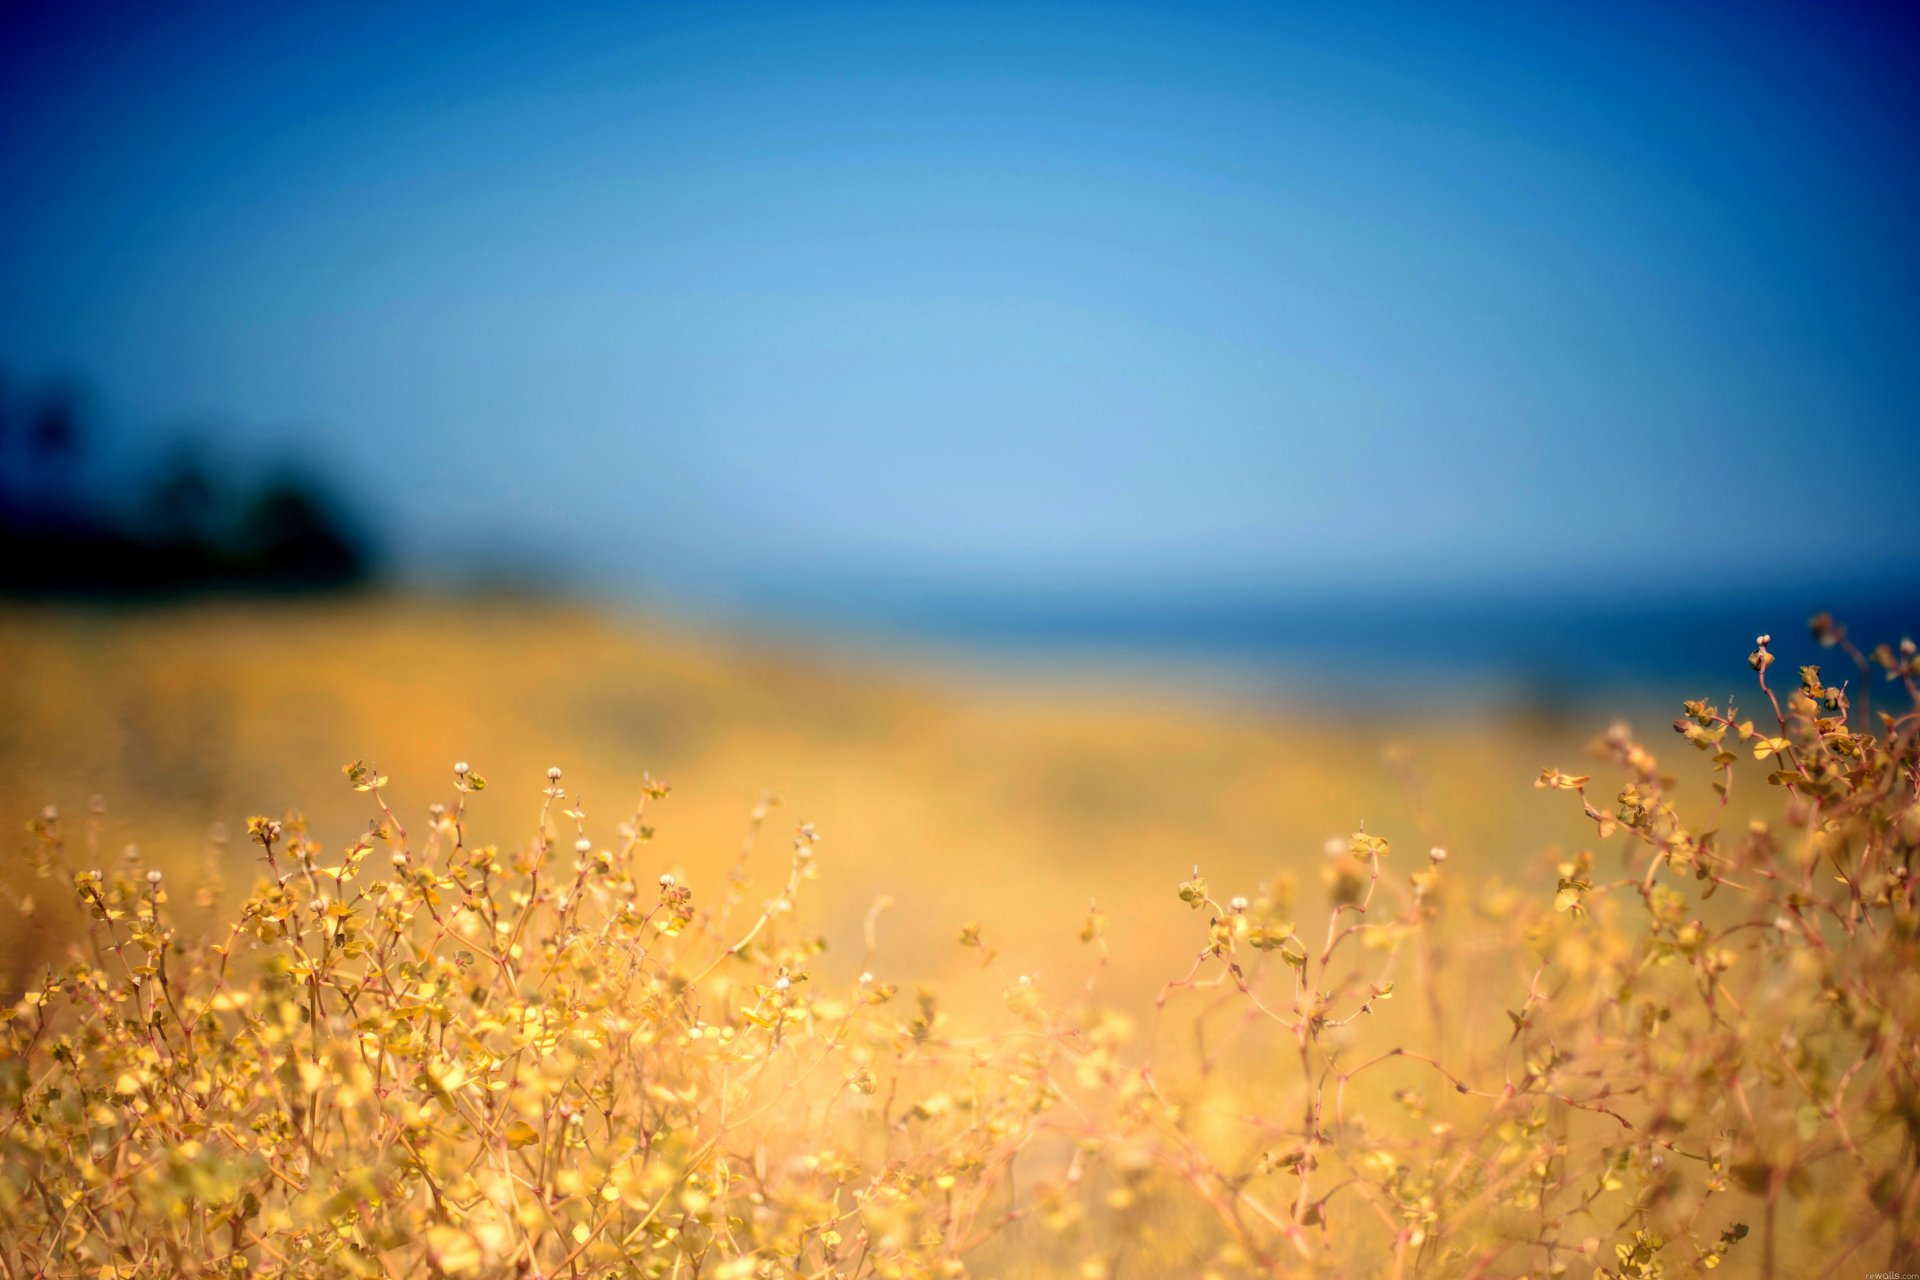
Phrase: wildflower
{"type": "Point", "coordinates": [448, 1073]}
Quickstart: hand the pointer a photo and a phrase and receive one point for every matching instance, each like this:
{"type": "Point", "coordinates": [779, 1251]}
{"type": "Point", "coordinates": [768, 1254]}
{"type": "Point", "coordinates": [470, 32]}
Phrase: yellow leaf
{"type": "Point", "coordinates": [453, 1251]}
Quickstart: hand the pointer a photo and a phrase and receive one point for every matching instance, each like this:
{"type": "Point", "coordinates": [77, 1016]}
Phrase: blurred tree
{"type": "Point", "coordinates": [183, 505]}
{"type": "Point", "coordinates": [6, 445]}
{"type": "Point", "coordinates": [290, 536]}
{"type": "Point", "coordinates": [183, 530]}
{"type": "Point", "coordinates": [54, 436]}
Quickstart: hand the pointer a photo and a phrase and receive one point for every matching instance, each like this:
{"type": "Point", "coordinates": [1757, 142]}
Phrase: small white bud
{"type": "Point", "coordinates": [1437, 854]}
{"type": "Point", "coordinates": [1239, 902]}
{"type": "Point", "coordinates": [153, 876]}
{"type": "Point", "coordinates": [667, 880]}
{"type": "Point", "coordinates": [583, 845]}
{"type": "Point", "coordinates": [460, 768]}
{"type": "Point", "coordinates": [782, 982]}
{"type": "Point", "coordinates": [553, 774]}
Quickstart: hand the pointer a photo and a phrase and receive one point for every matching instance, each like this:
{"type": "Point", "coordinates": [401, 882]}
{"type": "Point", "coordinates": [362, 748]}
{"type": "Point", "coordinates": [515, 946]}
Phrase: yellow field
{"type": "Point", "coordinates": [1036, 1042]}
{"type": "Point", "coordinates": [963, 796]}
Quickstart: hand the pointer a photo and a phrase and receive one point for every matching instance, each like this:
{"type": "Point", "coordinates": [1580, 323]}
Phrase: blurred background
{"type": "Point", "coordinates": [1060, 442]}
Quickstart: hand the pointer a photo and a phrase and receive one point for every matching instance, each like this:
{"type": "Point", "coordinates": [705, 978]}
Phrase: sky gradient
{"type": "Point", "coordinates": [705, 297]}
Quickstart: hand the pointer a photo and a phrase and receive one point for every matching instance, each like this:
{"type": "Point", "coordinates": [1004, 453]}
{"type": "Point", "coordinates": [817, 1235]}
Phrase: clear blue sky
{"type": "Point", "coordinates": [1277, 295]}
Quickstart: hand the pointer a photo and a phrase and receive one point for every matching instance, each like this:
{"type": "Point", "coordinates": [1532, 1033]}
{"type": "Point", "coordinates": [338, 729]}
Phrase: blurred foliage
{"type": "Point", "coordinates": [188, 526]}
{"type": "Point", "coordinates": [944, 789]}
{"type": "Point", "coordinates": [1665, 1028]}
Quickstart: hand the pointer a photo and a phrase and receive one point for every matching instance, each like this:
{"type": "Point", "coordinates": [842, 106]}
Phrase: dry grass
{"type": "Point", "coordinates": [966, 798]}
{"type": "Point", "coordinates": [514, 1031]}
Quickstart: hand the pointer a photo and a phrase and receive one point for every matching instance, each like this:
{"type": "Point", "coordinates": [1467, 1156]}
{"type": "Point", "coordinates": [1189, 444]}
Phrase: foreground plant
{"type": "Point", "coordinates": [422, 1055]}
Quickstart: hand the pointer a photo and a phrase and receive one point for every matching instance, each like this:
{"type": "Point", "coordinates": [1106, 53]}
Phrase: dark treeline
{"type": "Point", "coordinates": [182, 525]}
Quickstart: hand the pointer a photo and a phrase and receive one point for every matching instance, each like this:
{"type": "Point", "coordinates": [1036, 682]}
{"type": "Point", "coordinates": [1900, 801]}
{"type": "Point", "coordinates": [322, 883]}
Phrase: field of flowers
{"type": "Point", "coordinates": [1005, 981]}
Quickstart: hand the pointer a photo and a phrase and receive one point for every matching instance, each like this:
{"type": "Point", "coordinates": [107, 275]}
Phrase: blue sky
{"type": "Point", "coordinates": [710, 296]}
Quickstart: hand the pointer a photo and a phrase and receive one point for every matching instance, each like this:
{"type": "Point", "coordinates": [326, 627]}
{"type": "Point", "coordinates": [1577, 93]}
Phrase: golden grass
{"type": "Point", "coordinates": [966, 797]}
{"type": "Point", "coordinates": [1030, 981]}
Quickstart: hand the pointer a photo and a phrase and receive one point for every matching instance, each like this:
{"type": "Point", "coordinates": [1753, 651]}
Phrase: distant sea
{"type": "Point", "coordinates": [1540, 650]}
